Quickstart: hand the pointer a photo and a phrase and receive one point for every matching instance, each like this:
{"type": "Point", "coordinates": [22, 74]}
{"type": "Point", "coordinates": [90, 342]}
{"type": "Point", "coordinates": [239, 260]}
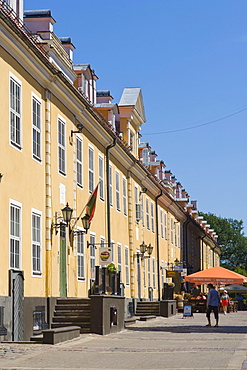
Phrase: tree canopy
{"type": "Point", "coordinates": [231, 238]}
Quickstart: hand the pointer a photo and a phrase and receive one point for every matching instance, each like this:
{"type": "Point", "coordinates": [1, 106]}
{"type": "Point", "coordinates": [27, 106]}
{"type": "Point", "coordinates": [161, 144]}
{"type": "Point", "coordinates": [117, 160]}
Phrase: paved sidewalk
{"type": "Point", "coordinates": [173, 343]}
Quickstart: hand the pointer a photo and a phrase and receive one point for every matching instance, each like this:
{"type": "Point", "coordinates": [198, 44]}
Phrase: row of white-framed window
{"type": "Point", "coordinates": [16, 238]}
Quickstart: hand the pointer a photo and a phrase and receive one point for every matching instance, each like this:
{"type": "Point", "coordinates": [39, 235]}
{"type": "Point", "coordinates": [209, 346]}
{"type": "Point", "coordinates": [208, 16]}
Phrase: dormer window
{"type": "Point", "coordinates": [145, 156]}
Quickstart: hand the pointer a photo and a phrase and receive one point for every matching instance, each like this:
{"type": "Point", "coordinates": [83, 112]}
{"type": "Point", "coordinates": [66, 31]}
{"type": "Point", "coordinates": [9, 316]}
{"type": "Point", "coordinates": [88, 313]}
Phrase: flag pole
{"type": "Point", "coordinates": [77, 219]}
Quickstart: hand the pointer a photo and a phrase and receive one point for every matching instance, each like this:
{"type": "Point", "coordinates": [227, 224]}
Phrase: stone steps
{"type": "Point", "coordinates": [72, 311]}
{"type": "Point", "coordinates": [148, 308]}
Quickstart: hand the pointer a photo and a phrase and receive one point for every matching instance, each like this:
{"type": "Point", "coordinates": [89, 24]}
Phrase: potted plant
{"type": "Point", "coordinates": [111, 268]}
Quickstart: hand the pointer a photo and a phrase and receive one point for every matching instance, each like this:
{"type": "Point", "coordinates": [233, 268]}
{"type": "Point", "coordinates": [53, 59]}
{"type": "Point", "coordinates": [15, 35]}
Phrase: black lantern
{"type": "Point", "coordinates": [143, 248]}
{"type": "Point", "coordinates": [85, 222]}
{"type": "Point", "coordinates": [67, 213]}
{"type": "Point", "coordinates": [150, 249]}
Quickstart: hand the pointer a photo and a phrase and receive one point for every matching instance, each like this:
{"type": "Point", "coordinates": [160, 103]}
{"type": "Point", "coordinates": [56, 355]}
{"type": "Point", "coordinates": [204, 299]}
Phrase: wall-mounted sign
{"type": "Point", "coordinates": [178, 268]}
{"type": "Point", "coordinates": [105, 256]}
{"type": "Point", "coordinates": [184, 272]}
{"type": "Point", "coordinates": [171, 274]}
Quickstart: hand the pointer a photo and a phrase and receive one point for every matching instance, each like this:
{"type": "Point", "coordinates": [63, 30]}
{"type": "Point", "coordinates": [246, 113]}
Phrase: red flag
{"type": "Point", "coordinates": [91, 204]}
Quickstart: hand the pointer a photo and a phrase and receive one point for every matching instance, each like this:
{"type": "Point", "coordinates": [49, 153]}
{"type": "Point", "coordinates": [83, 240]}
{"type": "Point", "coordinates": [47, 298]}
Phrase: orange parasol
{"type": "Point", "coordinates": [216, 275]}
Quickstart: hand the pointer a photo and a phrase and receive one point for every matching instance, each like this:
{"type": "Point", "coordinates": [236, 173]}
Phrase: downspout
{"type": "Point", "coordinates": [185, 241]}
{"type": "Point", "coordinates": [213, 255]}
{"type": "Point", "coordinates": [48, 197]}
{"type": "Point", "coordinates": [157, 240]}
{"type": "Point", "coordinates": [202, 263]}
{"type": "Point", "coordinates": [108, 192]}
{"type": "Point", "coordinates": [48, 205]}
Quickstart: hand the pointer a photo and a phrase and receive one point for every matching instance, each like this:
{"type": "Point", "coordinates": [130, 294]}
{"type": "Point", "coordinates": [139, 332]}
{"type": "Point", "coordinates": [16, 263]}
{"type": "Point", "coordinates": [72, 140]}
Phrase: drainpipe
{"type": "Point", "coordinates": [157, 240]}
{"type": "Point", "coordinates": [185, 241]}
{"type": "Point", "coordinates": [202, 263]}
{"type": "Point", "coordinates": [48, 197]}
{"type": "Point", "coordinates": [213, 255]}
{"type": "Point", "coordinates": [108, 192]}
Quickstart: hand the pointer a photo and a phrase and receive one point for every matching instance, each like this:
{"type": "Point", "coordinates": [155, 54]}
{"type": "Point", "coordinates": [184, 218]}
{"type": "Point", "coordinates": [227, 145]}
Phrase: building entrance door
{"type": "Point", "coordinates": [18, 297]}
{"type": "Point", "coordinates": [63, 262]}
{"type": "Point", "coordinates": [139, 275]}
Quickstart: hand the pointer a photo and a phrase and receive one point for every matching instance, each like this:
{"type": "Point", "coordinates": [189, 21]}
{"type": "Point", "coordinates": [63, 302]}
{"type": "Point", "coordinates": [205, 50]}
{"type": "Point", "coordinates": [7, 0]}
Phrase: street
{"type": "Point", "coordinates": [161, 343]}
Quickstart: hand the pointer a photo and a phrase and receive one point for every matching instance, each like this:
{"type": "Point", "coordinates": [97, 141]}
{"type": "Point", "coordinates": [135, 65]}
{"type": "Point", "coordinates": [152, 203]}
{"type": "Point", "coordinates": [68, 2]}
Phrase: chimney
{"type": "Point", "coordinates": [68, 46]}
{"type": "Point", "coordinates": [178, 190]}
{"type": "Point", "coordinates": [168, 174]}
{"type": "Point", "coordinates": [194, 202]}
{"type": "Point", "coordinates": [40, 22]}
{"type": "Point", "coordinates": [103, 96]}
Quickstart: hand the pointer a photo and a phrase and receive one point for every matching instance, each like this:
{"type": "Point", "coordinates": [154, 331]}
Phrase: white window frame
{"type": "Point", "coordinates": [149, 272]}
{"type": "Point", "coordinates": [112, 251]}
{"type": "Point", "coordinates": [92, 255]}
{"type": "Point", "coordinates": [145, 156]}
{"type": "Point", "coordinates": [80, 257]}
{"type": "Point", "coordinates": [172, 230]}
{"type": "Point", "coordinates": [162, 272]}
{"type": "Point", "coordinates": [144, 273]}
{"type": "Point", "coordinates": [79, 161]}
{"type": "Point", "coordinates": [101, 177]}
{"type": "Point", "coordinates": [178, 235]}
{"type": "Point", "coordinates": [119, 257]}
{"type": "Point", "coordinates": [143, 215]}
{"type": "Point", "coordinates": [152, 216]}
{"type": "Point", "coordinates": [37, 128]}
{"type": "Point", "coordinates": [36, 243]}
{"type": "Point", "coordinates": [165, 225]}
{"type": "Point", "coordinates": [125, 196]}
{"type": "Point", "coordinates": [161, 224]}
{"type": "Point", "coordinates": [90, 169]}
{"type": "Point", "coordinates": [15, 113]}
{"type": "Point", "coordinates": [175, 234]}
{"type": "Point", "coordinates": [110, 186]}
{"type": "Point", "coordinates": [126, 258]}
{"type": "Point", "coordinates": [136, 203]}
{"type": "Point", "coordinates": [147, 214]}
{"type": "Point", "coordinates": [117, 177]}
{"type": "Point", "coordinates": [15, 233]}
{"type": "Point", "coordinates": [61, 146]}
{"type": "Point", "coordinates": [154, 276]}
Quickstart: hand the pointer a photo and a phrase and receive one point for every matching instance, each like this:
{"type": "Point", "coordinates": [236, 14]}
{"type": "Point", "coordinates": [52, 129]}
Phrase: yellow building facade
{"type": "Point", "coordinates": [60, 139]}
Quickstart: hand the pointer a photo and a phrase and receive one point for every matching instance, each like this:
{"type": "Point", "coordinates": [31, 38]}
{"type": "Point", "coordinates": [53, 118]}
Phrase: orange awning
{"type": "Point", "coordinates": [217, 276]}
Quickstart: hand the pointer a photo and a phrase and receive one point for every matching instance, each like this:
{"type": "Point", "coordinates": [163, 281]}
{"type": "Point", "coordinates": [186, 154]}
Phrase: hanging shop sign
{"type": "Point", "coordinates": [105, 256]}
{"type": "Point", "coordinates": [171, 274]}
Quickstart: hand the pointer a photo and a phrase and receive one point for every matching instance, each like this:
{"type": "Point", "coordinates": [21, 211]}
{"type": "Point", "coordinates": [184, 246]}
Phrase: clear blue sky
{"type": "Point", "coordinates": [190, 59]}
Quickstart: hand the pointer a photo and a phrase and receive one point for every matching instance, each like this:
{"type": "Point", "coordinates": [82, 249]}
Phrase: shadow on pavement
{"type": "Point", "coordinates": [192, 329]}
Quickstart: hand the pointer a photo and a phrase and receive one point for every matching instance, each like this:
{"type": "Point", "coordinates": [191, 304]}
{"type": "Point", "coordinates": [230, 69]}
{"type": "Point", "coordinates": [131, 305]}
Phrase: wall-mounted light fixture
{"type": "Point", "coordinates": [146, 248]}
{"type": "Point", "coordinates": [66, 218]}
{"type": "Point", "coordinates": [1, 176]}
{"type": "Point", "coordinates": [143, 191]}
{"type": "Point", "coordinates": [78, 131]}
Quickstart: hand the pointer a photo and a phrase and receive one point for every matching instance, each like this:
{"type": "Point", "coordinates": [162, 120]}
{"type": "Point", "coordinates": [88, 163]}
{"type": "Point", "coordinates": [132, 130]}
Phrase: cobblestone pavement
{"type": "Point", "coordinates": [162, 343]}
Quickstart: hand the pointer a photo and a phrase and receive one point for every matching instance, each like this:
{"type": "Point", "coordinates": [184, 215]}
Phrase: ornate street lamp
{"type": "Point", "coordinates": [67, 214]}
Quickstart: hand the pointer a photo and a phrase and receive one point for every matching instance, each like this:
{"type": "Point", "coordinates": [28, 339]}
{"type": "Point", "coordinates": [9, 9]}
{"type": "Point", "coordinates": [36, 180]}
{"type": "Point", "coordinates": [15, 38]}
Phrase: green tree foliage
{"type": "Point", "coordinates": [231, 238]}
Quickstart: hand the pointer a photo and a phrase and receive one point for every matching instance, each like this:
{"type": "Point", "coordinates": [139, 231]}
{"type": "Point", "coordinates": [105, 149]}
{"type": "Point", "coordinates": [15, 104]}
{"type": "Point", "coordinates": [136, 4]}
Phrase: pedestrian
{"type": "Point", "coordinates": [225, 301]}
{"type": "Point", "coordinates": [213, 301]}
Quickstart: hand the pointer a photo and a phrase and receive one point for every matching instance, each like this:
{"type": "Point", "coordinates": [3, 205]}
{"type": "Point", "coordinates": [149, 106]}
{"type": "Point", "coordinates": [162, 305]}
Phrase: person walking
{"type": "Point", "coordinates": [213, 301]}
{"type": "Point", "coordinates": [225, 301]}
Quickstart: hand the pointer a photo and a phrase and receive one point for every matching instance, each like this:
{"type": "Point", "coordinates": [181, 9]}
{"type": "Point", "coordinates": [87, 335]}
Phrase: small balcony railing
{"type": "Point", "coordinates": [106, 282]}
